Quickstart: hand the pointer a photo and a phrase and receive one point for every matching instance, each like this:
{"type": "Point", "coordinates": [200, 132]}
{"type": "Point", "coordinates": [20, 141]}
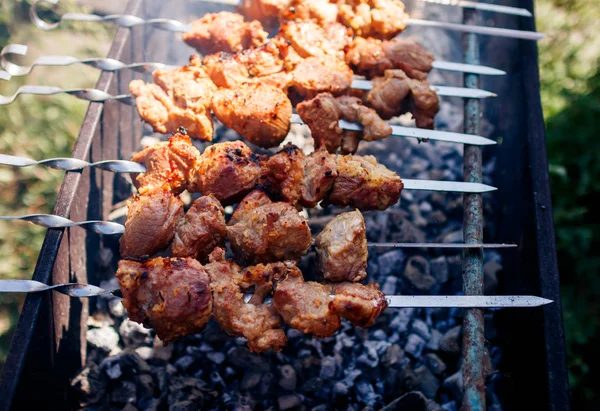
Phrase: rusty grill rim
{"type": "Point", "coordinates": [38, 307]}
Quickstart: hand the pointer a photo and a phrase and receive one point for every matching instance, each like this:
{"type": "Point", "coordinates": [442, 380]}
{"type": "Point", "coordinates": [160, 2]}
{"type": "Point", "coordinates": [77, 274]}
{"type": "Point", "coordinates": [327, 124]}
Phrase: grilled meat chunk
{"type": "Point", "coordinates": [360, 304]}
{"type": "Point", "coordinates": [342, 249]}
{"type": "Point", "coordinates": [262, 231]}
{"type": "Point", "coordinates": [266, 11]}
{"type": "Point", "coordinates": [283, 174]}
{"type": "Point", "coordinates": [258, 322]}
{"type": "Point", "coordinates": [260, 113]}
{"type": "Point", "coordinates": [372, 57]}
{"type": "Point", "coordinates": [311, 40]}
{"type": "Point", "coordinates": [365, 184]}
{"type": "Point", "coordinates": [315, 75]}
{"type": "Point", "coordinates": [304, 305]}
{"type": "Point", "coordinates": [228, 171]}
{"type": "Point", "coordinates": [323, 12]}
{"type": "Point", "coordinates": [169, 165]}
{"type": "Point", "coordinates": [320, 171]}
{"type": "Point", "coordinates": [180, 97]}
{"type": "Point", "coordinates": [226, 32]}
{"type": "Point", "coordinates": [150, 224]}
{"type": "Point", "coordinates": [383, 19]}
{"type": "Point", "coordinates": [201, 229]}
{"type": "Point", "coordinates": [389, 93]}
{"type": "Point", "coordinates": [322, 115]}
{"type": "Point", "coordinates": [268, 64]}
{"type": "Point", "coordinates": [375, 128]}
{"type": "Point", "coordinates": [396, 94]}
{"type": "Point", "coordinates": [171, 295]}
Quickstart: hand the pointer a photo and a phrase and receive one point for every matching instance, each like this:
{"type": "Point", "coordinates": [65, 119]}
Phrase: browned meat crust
{"type": "Point", "coordinates": [364, 183]}
{"type": "Point", "coordinates": [305, 305]}
{"type": "Point", "coordinates": [266, 11]}
{"type": "Point", "coordinates": [357, 303]}
{"type": "Point", "coordinates": [320, 171]}
{"type": "Point", "coordinates": [323, 12]}
{"type": "Point", "coordinates": [228, 171]}
{"type": "Point", "coordinates": [283, 174]}
{"type": "Point", "coordinates": [263, 231]}
{"type": "Point", "coordinates": [260, 113]}
{"type": "Point", "coordinates": [171, 295]}
{"type": "Point", "coordinates": [323, 74]}
{"type": "Point", "coordinates": [372, 57]}
{"type": "Point", "coordinates": [323, 112]}
{"type": "Point", "coordinates": [224, 31]}
{"type": "Point", "coordinates": [342, 249]}
{"type": "Point", "coordinates": [309, 39]}
{"type": "Point", "coordinates": [322, 115]}
{"type": "Point", "coordinates": [201, 230]}
{"type": "Point", "coordinates": [169, 165]}
{"type": "Point", "coordinates": [382, 19]}
{"type": "Point", "coordinates": [150, 224]}
{"type": "Point", "coordinates": [258, 322]}
{"type": "Point", "coordinates": [180, 97]}
{"type": "Point", "coordinates": [396, 94]}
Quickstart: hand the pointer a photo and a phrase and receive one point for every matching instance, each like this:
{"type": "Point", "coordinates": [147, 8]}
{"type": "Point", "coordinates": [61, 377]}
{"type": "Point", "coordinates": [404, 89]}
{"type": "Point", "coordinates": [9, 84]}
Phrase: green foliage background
{"type": "Point", "coordinates": [570, 86]}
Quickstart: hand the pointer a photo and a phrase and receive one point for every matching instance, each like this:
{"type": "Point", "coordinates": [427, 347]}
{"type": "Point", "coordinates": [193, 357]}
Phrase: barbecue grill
{"type": "Point", "coordinates": [49, 346]}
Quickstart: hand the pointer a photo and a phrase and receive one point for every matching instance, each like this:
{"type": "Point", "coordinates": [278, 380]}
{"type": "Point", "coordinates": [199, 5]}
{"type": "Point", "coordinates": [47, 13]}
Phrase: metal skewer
{"type": "Point", "coordinates": [516, 11]}
{"type": "Point", "coordinates": [394, 301]}
{"type": "Point", "coordinates": [54, 221]}
{"type": "Point", "coordinates": [125, 20]}
{"type": "Point", "coordinates": [70, 164]}
{"type": "Point", "coordinates": [108, 64]}
{"type": "Point", "coordinates": [96, 95]}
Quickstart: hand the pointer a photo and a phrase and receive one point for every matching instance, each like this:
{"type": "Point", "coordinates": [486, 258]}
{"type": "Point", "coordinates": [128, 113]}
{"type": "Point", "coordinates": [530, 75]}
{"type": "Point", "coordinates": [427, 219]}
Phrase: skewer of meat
{"type": "Point", "coordinates": [373, 17]}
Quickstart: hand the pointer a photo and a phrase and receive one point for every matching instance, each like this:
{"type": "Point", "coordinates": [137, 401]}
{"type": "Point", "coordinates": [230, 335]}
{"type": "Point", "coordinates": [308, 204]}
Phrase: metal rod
{"type": "Point", "coordinates": [125, 20]}
{"type": "Point", "coordinates": [12, 68]}
{"type": "Point", "coordinates": [473, 332]}
{"type": "Point", "coordinates": [515, 11]}
{"type": "Point", "coordinates": [394, 301]}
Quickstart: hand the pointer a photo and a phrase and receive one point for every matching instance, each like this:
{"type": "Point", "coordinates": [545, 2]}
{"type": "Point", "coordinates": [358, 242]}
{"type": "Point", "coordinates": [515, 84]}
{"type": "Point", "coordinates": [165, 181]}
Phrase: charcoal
{"type": "Point", "coordinates": [490, 277]}
{"type": "Point", "coordinates": [105, 338]}
{"type": "Point", "coordinates": [250, 380]}
{"type": "Point", "coordinates": [454, 385]}
{"type": "Point", "coordinates": [134, 334]}
{"type": "Point", "coordinates": [89, 385]}
{"type": "Point", "coordinates": [428, 383]}
{"type": "Point", "coordinates": [390, 285]}
{"type": "Point", "coordinates": [391, 262]}
{"type": "Point", "coordinates": [401, 319]}
{"type": "Point", "coordinates": [413, 401]}
{"type": "Point", "coordinates": [379, 335]}
{"type": "Point", "coordinates": [365, 393]}
{"type": "Point", "coordinates": [414, 345]}
{"type": "Point", "coordinates": [115, 307]}
{"type": "Point", "coordinates": [440, 269]}
{"type": "Point", "coordinates": [243, 358]}
{"type": "Point", "coordinates": [421, 328]}
{"type": "Point", "coordinates": [450, 406]}
{"type": "Point", "coordinates": [216, 357]}
{"type": "Point", "coordinates": [327, 368]}
{"type": "Point", "coordinates": [286, 402]}
{"type": "Point", "coordinates": [435, 364]}
{"type": "Point", "coordinates": [112, 367]}
{"type": "Point", "coordinates": [417, 274]}
{"type": "Point", "coordinates": [435, 340]}
{"type": "Point", "coordinates": [393, 355]}
{"type": "Point", "coordinates": [132, 364]}
{"type": "Point", "coordinates": [288, 378]}
{"type": "Point", "coordinates": [124, 393]}
{"type": "Point", "coordinates": [450, 342]}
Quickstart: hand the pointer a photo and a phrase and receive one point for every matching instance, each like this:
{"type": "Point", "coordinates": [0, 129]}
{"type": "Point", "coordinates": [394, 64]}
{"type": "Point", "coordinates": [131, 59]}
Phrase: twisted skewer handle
{"type": "Point", "coordinates": [123, 20]}
{"type": "Point", "coordinates": [89, 94]}
{"type": "Point", "coordinates": [106, 64]}
{"type": "Point", "coordinates": [70, 164]}
{"type": "Point", "coordinates": [72, 290]}
{"type": "Point", "coordinates": [54, 221]}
